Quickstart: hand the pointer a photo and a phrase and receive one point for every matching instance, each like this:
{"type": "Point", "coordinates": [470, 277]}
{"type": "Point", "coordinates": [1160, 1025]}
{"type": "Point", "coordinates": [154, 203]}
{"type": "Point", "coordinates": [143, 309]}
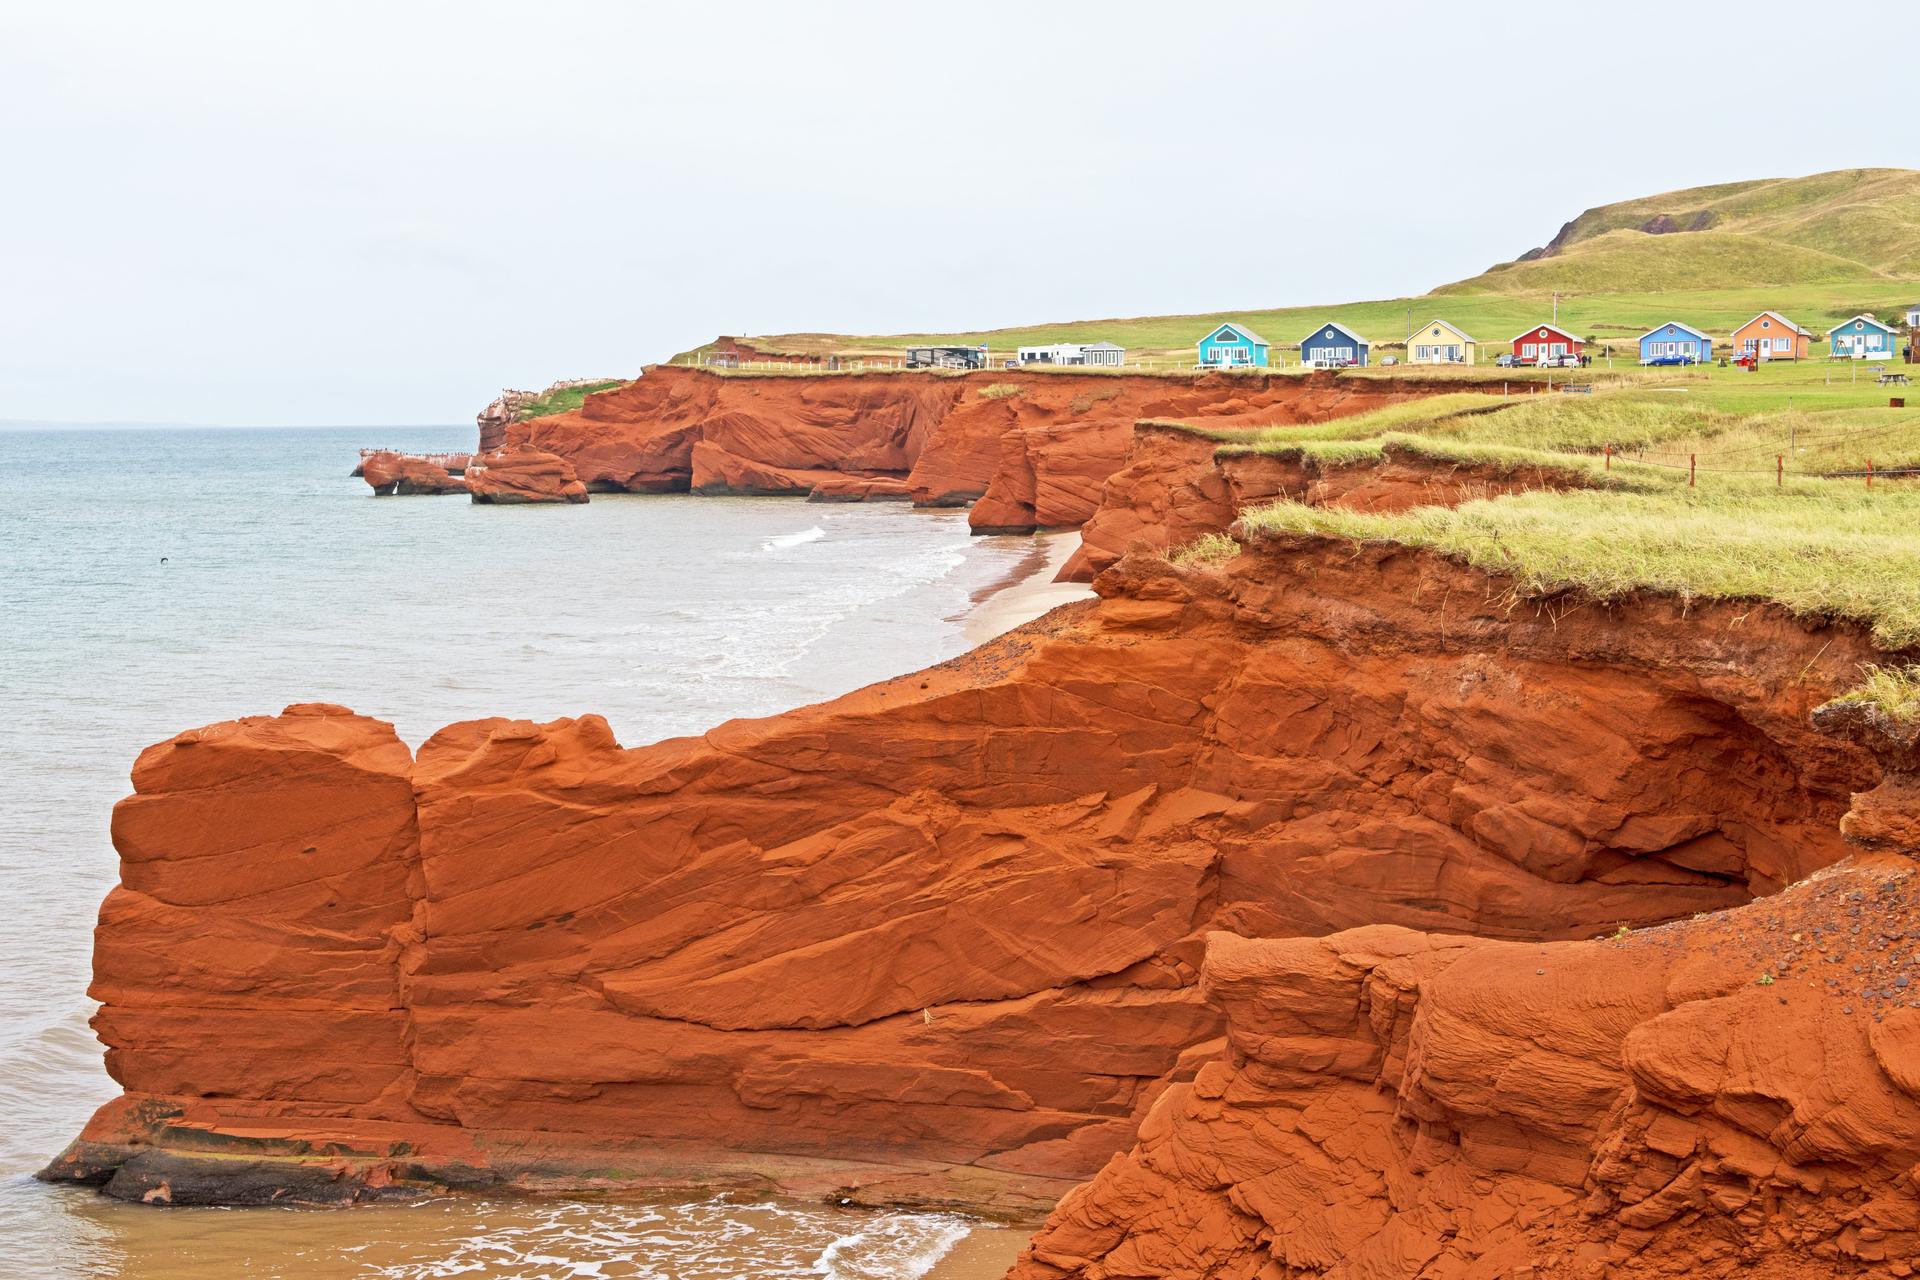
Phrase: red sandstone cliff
{"type": "Point", "coordinates": [941, 940]}
{"type": "Point", "coordinates": [1737, 1095]}
{"type": "Point", "coordinates": [1031, 449]}
{"type": "Point", "coordinates": [1179, 484]}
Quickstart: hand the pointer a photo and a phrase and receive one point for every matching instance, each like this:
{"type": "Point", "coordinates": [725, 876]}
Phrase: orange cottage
{"type": "Point", "coordinates": [1771, 336]}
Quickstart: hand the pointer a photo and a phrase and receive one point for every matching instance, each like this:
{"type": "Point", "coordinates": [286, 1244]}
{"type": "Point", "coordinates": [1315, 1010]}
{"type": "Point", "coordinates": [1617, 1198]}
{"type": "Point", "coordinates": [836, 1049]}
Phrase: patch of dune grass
{"type": "Point", "coordinates": [1820, 548]}
{"type": "Point", "coordinates": [1208, 551]}
{"type": "Point", "coordinates": [1894, 691]}
{"type": "Point", "coordinates": [1001, 391]}
{"type": "Point", "coordinates": [1422, 414]}
{"type": "Point", "coordinates": [566, 399]}
{"type": "Point", "coordinates": [1658, 428]}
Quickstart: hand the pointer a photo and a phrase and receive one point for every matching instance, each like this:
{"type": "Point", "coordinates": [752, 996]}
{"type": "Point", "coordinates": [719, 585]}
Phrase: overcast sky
{"type": "Point", "coordinates": [383, 212]}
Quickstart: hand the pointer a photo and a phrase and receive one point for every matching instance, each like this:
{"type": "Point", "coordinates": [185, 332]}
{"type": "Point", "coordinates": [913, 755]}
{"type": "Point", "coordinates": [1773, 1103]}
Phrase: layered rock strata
{"type": "Point", "coordinates": [1180, 484]}
{"type": "Point", "coordinates": [939, 941]}
{"type": "Point", "coordinates": [1027, 450]}
{"type": "Point", "coordinates": [1735, 1095]}
{"type": "Point", "coordinates": [519, 473]}
{"type": "Point", "coordinates": [403, 474]}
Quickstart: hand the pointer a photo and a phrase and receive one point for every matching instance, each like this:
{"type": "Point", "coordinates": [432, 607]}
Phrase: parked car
{"type": "Point", "coordinates": [1661, 361]}
{"type": "Point", "coordinates": [1568, 361]}
{"type": "Point", "coordinates": [1508, 360]}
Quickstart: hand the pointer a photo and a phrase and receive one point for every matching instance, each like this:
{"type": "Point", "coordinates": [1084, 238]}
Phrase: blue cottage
{"type": "Point", "coordinates": [1675, 344]}
{"type": "Point", "coordinates": [1232, 346]}
{"type": "Point", "coordinates": [1333, 345]}
{"type": "Point", "coordinates": [1862, 338]}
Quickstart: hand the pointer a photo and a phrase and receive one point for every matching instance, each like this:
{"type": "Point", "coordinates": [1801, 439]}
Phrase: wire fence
{"type": "Point", "coordinates": [1783, 453]}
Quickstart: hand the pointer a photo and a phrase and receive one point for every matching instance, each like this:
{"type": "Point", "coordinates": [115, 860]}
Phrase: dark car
{"type": "Point", "coordinates": [1507, 360]}
{"type": "Point", "coordinates": [1660, 361]}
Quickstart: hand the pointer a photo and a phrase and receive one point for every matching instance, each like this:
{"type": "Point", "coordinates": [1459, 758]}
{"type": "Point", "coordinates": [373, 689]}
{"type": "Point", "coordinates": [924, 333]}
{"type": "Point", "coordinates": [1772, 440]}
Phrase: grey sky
{"type": "Point", "coordinates": [381, 213]}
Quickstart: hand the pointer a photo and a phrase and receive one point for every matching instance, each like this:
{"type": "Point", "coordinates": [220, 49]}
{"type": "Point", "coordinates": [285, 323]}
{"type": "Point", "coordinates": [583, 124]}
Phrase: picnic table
{"type": "Point", "coordinates": [1893, 380]}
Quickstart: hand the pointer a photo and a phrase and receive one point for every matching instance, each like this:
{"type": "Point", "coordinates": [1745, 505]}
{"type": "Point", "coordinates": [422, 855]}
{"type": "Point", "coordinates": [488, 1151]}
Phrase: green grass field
{"type": "Point", "coordinates": [1821, 548]}
{"type": "Point", "coordinates": [1819, 249]}
{"type": "Point", "coordinates": [1492, 319]}
{"type": "Point", "coordinates": [1712, 491]}
{"type": "Point", "coordinates": [566, 399]}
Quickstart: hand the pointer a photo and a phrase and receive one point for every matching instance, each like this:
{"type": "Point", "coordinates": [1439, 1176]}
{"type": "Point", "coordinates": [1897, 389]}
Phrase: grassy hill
{"type": "Point", "coordinates": [1821, 249]}
{"type": "Point", "coordinates": [1853, 224]}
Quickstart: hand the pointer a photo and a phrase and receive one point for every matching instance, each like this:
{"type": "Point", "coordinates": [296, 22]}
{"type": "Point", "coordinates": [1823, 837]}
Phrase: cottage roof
{"type": "Point", "coordinates": [1862, 316]}
{"type": "Point", "coordinates": [1454, 329]}
{"type": "Point", "coordinates": [1334, 324]}
{"type": "Point", "coordinates": [1530, 330]}
{"type": "Point", "coordinates": [1676, 324]}
{"type": "Point", "coordinates": [1102, 346]}
{"type": "Point", "coordinates": [1240, 329]}
{"type": "Point", "coordinates": [1782, 319]}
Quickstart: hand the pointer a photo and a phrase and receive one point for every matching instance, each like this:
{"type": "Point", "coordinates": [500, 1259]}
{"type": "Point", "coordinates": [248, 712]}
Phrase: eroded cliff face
{"type": "Point", "coordinates": [1028, 450]}
{"type": "Point", "coordinates": [939, 941]}
{"type": "Point", "coordinates": [1055, 446]}
{"type": "Point", "coordinates": [1179, 484]}
{"type": "Point", "coordinates": [518, 473]}
{"type": "Point", "coordinates": [1731, 1095]}
{"type": "Point", "coordinates": [678, 429]}
{"type": "Point", "coordinates": [403, 474]}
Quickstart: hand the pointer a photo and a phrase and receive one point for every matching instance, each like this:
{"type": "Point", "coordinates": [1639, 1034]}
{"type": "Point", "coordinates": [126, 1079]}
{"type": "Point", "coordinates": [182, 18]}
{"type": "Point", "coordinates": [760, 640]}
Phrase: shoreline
{"type": "Point", "coordinates": [1028, 591]}
{"type": "Point", "coordinates": [986, 1252]}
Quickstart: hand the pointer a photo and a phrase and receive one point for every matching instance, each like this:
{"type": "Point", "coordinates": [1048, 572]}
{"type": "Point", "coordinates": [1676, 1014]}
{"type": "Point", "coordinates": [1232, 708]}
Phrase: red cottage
{"type": "Point", "coordinates": [1545, 341]}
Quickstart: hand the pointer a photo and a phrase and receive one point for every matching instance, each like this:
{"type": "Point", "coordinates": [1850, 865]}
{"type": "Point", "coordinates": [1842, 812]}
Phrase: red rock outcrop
{"type": "Point", "coordinates": [514, 405]}
{"type": "Point", "coordinates": [937, 941]}
{"type": "Point", "coordinates": [860, 489]}
{"type": "Point", "coordinates": [404, 474]}
{"type": "Point", "coordinates": [784, 432]}
{"type": "Point", "coordinates": [1180, 483]}
{"type": "Point", "coordinates": [1737, 1095]}
{"type": "Point", "coordinates": [520, 473]}
{"type": "Point", "coordinates": [1063, 436]}
{"type": "Point", "coordinates": [1033, 448]}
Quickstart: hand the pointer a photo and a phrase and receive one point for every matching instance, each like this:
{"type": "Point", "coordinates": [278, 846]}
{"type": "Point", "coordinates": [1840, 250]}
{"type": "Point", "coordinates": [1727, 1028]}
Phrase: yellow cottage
{"type": "Point", "coordinates": [1441, 343]}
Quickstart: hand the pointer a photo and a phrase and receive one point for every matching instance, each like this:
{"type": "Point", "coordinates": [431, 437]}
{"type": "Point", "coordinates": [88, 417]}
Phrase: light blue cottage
{"type": "Point", "coordinates": [1333, 345]}
{"type": "Point", "coordinates": [1862, 338]}
{"type": "Point", "coordinates": [1675, 343]}
{"type": "Point", "coordinates": [1232, 346]}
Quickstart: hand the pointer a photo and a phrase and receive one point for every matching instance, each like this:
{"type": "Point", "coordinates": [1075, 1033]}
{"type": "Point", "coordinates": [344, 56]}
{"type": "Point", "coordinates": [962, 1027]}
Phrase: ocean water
{"type": "Point", "coordinates": [153, 580]}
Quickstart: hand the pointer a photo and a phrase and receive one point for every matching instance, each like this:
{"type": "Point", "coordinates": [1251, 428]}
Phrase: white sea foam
{"type": "Point", "coordinates": [801, 538]}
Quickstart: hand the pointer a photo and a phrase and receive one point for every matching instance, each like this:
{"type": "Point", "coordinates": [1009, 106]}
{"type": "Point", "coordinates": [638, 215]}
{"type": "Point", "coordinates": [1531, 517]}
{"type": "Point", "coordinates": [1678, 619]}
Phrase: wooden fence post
{"type": "Point", "coordinates": [1692, 458]}
{"type": "Point", "coordinates": [1779, 470]}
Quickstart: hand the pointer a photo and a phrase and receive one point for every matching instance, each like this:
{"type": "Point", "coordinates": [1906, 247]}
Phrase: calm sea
{"type": "Point", "coordinates": [154, 580]}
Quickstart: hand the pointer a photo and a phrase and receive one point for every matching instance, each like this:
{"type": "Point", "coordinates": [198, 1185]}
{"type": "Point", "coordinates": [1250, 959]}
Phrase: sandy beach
{"type": "Point", "coordinates": [1030, 589]}
{"type": "Point", "coordinates": [985, 1254]}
